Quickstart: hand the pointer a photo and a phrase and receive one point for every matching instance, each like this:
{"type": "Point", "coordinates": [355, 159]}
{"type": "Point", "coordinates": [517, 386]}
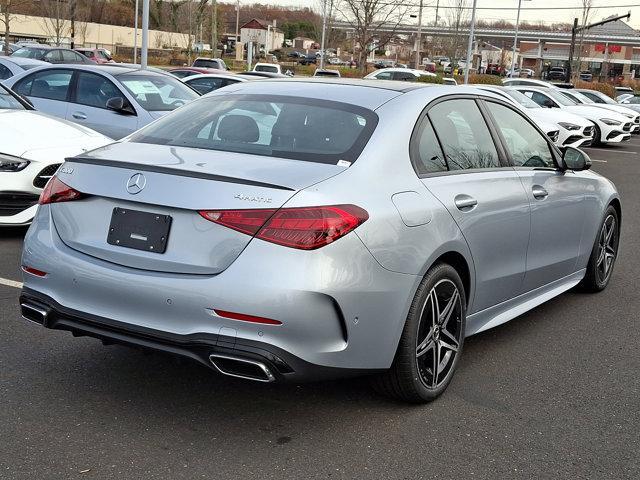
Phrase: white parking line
{"type": "Point", "coordinates": [10, 283]}
{"type": "Point", "coordinates": [612, 150]}
{"type": "Point", "coordinates": [601, 161]}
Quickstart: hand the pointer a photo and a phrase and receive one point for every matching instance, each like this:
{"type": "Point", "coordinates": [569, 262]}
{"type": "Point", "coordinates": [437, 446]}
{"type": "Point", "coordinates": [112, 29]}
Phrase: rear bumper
{"type": "Point", "coordinates": [197, 346]}
{"type": "Point", "coordinates": [338, 307]}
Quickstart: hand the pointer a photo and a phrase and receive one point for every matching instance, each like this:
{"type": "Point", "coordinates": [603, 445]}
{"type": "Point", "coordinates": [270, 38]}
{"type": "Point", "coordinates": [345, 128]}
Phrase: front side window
{"type": "Point", "coordinates": [53, 56]}
{"type": "Point", "coordinates": [50, 84]}
{"type": "Point", "coordinates": [69, 56]}
{"type": "Point", "coordinates": [541, 99]}
{"type": "Point", "coordinates": [37, 53]}
{"type": "Point", "coordinates": [297, 128]}
{"type": "Point", "coordinates": [384, 76]}
{"type": "Point", "coordinates": [157, 93]}
{"type": "Point", "coordinates": [5, 72]}
{"type": "Point", "coordinates": [464, 135]}
{"type": "Point", "coordinates": [526, 146]}
{"type": "Point", "coordinates": [95, 90]}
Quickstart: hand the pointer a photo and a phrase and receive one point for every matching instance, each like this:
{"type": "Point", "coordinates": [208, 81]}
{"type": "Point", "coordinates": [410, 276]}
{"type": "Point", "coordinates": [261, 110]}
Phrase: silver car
{"type": "Point", "coordinates": [113, 99]}
{"type": "Point", "coordinates": [291, 230]}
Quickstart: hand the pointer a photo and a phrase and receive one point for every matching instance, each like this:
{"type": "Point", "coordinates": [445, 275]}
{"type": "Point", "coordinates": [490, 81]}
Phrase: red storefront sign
{"type": "Point", "coordinates": [600, 47]}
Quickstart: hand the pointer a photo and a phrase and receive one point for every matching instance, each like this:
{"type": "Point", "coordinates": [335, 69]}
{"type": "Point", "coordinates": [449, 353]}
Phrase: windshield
{"type": "Point", "coordinates": [581, 97]}
{"type": "Point", "coordinates": [29, 52]}
{"type": "Point", "coordinates": [157, 93]}
{"type": "Point", "coordinates": [560, 98]}
{"type": "Point", "coordinates": [275, 126]}
{"type": "Point", "coordinates": [8, 101]}
{"type": "Point", "coordinates": [521, 98]}
{"type": "Point", "coordinates": [605, 98]}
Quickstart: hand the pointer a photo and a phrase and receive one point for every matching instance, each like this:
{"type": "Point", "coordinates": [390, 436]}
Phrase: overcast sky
{"type": "Point", "coordinates": [605, 9]}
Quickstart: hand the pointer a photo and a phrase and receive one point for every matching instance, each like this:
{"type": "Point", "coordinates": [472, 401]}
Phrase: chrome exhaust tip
{"type": "Point", "coordinates": [240, 367]}
{"type": "Point", "coordinates": [34, 312]}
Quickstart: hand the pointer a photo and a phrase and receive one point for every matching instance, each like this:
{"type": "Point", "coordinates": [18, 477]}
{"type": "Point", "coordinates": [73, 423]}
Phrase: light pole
{"type": "Point", "coordinates": [135, 33]}
{"type": "Point", "coordinates": [419, 36]}
{"type": "Point", "coordinates": [214, 28]}
{"type": "Point", "coordinates": [470, 44]}
{"type": "Point", "coordinates": [324, 29]}
{"type": "Point", "coordinates": [145, 34]}
{"type": "Point", "coordinates": [515, 40]}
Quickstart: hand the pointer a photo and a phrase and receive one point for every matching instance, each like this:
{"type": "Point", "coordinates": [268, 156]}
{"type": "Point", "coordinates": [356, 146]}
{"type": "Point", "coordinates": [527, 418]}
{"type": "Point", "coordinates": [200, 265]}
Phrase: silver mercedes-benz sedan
{"type": "Point", "coordinates": [290, 230]}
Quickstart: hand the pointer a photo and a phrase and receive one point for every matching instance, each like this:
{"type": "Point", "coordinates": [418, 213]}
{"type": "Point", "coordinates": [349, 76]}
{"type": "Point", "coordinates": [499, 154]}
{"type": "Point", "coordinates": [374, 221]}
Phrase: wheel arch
{"type": "Point", "coordinates": [460, 264]}
{"type": "Point", "coordinates": [615, 203]}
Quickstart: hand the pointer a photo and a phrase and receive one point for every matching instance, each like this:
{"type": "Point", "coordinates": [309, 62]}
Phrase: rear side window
{"type": "Point", "coordinates": [464, 135]}
{"type": "Point", "coordinates": [206, 85]}
{"type": "Point", "coordinates": [50, 84]}
{"type": "Point", "coordinates": [426, 152]}
{"type": "Point", "coordinates": [53, 56]}
{"type": "Point", "coordinates": [527, 147]}
{"type": "Point", "coordinates": [276, 126]}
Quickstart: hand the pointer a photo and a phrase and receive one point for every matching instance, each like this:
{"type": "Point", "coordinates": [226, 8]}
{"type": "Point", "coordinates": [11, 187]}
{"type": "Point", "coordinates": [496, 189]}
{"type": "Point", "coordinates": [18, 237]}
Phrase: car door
{"type": "Point", "coordinates": [88, 106]}
{"type": "Point", "coordinates": [468, 173]}
{"type": "Point", "coordinates": [47, 89]}
{"type": "Point", "coordinates": [556, 198]}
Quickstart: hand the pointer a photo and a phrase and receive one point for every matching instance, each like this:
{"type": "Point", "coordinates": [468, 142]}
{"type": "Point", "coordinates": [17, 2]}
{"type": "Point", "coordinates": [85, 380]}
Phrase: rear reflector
{"type": "Point", "coordinates": [247, 318]}
{"type": "Point", "coordinates": [305, 228]}
{"type": "Point", "coordinates": [33, 271]}
{"type": "Point", "coordinates": [56, 191]}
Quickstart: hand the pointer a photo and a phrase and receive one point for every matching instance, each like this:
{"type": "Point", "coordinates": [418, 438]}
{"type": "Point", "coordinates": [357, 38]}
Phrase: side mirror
{"type": "Point", "coordinates": [575, 159]}
{"type": "Point", "coordinates": [117, 104]}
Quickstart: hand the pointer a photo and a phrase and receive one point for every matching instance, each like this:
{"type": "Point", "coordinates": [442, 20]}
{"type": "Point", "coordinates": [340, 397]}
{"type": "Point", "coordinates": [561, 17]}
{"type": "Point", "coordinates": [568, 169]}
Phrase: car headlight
{"type": "Point", "coordinates": [569, 126]}
{"type": "Point", "coordinates": [9, 163]}
{"type": "Point", "coordinates": [609, 121]}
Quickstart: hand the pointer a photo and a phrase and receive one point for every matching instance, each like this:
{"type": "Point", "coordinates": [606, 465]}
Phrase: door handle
{"type": "Point", "coordinates": [465, 203]}
{"type": "Point", "coordinates": [539, 192]}
{"type": "Point", "coordinates": [79, 115]}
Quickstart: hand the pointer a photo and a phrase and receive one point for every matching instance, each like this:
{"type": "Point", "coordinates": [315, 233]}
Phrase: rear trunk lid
{"type": "Point", "coordinates": [178, 182]}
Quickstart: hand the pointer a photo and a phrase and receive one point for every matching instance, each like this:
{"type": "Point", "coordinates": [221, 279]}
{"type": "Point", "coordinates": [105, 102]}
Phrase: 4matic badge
{"type": "Point", "coordinates": [251, 198]}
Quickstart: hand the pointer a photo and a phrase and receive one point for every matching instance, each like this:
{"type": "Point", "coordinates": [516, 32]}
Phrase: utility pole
{"type": "Point", "coordinates": [135, 33]}
{"type": "Point", "coordinates": [214, 28]}
{"type": "Point", "coordinates": [238, 21]}
{"type": "Point", "coordinates": [470, 44]}
{"type": "Point", "coordinates": [575, 30]}
{"type": "Point", "coordinates": [72, 7]}
{"type": "Point", "coordinates": [435, 23]}
{"type": "Point", "coordinates": [324, 29]}
{"type": "Point", "coordinates": [515, 40]}
{"type": "Point", "coordinates": [145, 35]}
{"type": "Point", "coordinates": [419, 36]}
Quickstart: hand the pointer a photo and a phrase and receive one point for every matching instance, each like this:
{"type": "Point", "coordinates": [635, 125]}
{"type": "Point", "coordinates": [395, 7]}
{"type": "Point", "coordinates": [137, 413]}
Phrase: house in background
{"type": "Point", "coordinates": [303, 43]}
{"type": "Point", "coordinates": [262, 33]}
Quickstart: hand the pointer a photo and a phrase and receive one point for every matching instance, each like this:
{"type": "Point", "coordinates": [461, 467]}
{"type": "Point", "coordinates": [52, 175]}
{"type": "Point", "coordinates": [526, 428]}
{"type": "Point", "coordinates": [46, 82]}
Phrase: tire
{"type": "Point", "coordinates": [603, 255]}
{"type": "Point", "coordinates": [410, 377]}
{"type": "Point", "coordinates": [597, 136]}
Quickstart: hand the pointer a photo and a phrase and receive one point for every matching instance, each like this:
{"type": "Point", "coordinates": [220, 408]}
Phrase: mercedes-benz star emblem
{"type": "Point", "coordinates": [136, 183]}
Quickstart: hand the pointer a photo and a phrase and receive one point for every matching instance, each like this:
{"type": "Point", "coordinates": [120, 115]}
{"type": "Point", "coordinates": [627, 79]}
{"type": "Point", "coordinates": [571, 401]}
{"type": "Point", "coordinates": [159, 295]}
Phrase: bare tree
{"type": "Point", "coordinates": [585, 16]}
{"type": "Point", "coordinates": [373, 22]}
{"type": "Point", "coordinates": [55, 19]}
{"type": "Point", "coordinates": [7, 9]}
{"type": "Point", "coordinates": [457, 16]}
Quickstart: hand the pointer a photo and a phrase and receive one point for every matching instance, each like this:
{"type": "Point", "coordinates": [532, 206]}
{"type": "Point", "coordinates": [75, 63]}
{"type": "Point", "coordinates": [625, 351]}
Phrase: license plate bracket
{"type": "Point", "coordinates": [139, 230]}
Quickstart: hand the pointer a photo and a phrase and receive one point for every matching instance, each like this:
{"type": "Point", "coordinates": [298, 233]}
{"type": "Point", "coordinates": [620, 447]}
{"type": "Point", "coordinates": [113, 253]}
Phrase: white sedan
{"type": "Point", "coordinates": [404, 74]}
{"type": "Point", "coordinates": [32, 147]}
{"type": "Point", "coordinates": [610, 127]}
{"type": "Point", "coordinates": [572, 130]}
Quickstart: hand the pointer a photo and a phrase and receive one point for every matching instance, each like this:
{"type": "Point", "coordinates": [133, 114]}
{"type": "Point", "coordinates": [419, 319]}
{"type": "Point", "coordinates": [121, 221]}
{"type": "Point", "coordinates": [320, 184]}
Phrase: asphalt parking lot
{"type": "Point", "coordinates": [553, 394]}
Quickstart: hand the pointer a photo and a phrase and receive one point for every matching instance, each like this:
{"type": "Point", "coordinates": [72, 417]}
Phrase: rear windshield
{"type": "Point", "coordinates": [157, 93]}
{"type": "Point", "coordinates": [276, 126]}
{"type": "Point", "coordinates": [29, 52]}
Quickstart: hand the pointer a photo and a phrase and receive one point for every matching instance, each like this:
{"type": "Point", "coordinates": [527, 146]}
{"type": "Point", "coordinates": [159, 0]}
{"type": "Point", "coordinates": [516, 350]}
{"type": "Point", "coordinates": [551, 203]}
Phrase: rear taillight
{"type": "Point", "coordinates": [306, 228]}
{"type": "Point", "coordinates": [56, 191]}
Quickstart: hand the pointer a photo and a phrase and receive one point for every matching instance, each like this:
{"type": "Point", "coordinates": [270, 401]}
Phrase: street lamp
{"type": "Point", "coordinates": [515, 40]}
